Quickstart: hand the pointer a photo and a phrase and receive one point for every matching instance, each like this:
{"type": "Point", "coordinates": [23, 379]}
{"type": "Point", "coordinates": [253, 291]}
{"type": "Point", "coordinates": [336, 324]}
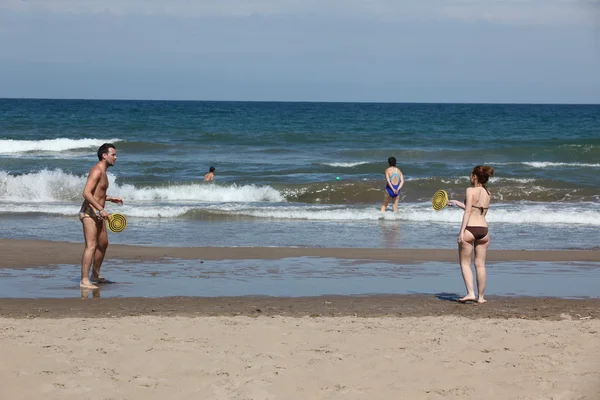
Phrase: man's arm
{"type": "Point", "coordinates": [113, 199]}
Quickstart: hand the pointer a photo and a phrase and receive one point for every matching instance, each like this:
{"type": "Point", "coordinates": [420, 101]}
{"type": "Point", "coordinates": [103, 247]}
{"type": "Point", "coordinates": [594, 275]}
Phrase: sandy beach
{"type": "Point", "coordinates": [242, 357]}
{"type": "Point", "coordinates": [319, 347]}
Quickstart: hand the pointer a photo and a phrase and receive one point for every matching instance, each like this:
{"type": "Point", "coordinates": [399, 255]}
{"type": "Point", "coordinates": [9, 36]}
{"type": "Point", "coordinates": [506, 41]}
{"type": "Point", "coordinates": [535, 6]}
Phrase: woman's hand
{"type": "Point", "coordinates": [450, 203]}
{"type": "Point", "coordinates": [461, 238]}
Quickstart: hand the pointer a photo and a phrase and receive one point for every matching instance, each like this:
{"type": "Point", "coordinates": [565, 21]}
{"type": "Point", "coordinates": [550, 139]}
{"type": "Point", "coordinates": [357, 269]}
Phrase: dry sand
{"type": "Point", "coordinates": [162, 357]}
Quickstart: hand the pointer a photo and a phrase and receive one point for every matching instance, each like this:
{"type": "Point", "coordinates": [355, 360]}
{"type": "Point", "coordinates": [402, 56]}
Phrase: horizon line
{"type": "Point", "coordinates": [297, 101]}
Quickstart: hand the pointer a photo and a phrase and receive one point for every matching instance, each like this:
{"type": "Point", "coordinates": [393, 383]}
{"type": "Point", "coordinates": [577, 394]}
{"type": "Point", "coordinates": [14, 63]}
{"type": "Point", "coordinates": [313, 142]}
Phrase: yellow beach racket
{"type": "Point", "coordinates": [440, 200]}
{"type": "Point", "coordinates": [116, 222]}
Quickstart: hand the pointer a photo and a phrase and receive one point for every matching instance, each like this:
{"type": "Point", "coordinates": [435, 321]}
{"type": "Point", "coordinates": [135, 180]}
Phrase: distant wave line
{"type": "Point", "coordinates": [10, 146]}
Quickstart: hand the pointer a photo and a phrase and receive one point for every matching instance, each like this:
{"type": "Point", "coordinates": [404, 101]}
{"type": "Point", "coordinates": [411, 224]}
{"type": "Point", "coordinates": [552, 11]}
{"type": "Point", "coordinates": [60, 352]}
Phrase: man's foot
{"type": "Point", "coordinates": [467, 298]}
{"type": "Point", "coordinates": [86, 284]}
{"type": "Point", "coordinates": [97, 279]}
{"type": "Point", "coordinates": [481, 300]}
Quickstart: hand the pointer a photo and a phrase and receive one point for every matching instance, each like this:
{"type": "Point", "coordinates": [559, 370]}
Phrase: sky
{"type": "Point", "coordinates": [472, 51]}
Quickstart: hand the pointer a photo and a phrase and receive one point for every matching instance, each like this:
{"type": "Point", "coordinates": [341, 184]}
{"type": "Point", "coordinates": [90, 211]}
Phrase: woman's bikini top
{"type": "Point", "coordinates": [482, 209]}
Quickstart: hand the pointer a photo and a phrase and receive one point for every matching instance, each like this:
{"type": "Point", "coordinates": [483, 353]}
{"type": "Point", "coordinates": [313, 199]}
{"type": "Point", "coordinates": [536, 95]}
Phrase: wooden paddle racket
{"type": "Point", "coordinates": [440, 200]}
{"type": "Point", "coordinates": [116, 222]}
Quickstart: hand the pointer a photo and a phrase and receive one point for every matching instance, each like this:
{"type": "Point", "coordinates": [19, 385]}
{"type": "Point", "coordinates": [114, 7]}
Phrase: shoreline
{"type": "Point", "coordinates": [18, 254]}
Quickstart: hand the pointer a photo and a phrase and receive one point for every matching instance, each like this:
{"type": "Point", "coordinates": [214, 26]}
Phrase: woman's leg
{"type": "Point", "coordinates": [386, 200]}
{"type": "Point", "coordinates": [395, 204]}
{"type": "Point", "coordinates": [481, 247]}
{"type": "Point", "coordinates": [465, 251]}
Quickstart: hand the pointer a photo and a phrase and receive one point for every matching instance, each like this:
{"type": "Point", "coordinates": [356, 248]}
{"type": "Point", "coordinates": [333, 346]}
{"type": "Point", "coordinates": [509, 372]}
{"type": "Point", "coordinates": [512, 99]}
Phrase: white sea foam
{"type": "Point", "coordinates": [549, 164]}
{"type": "Point", "coordinates": [57, 185]}
{"type": "Point", "coordinates": [201, 193]}
{"type": "Point", "coordinates": [518, 180]}
{"type": "Point", "coordinates": [42, 186]}
{"type": "Point", "coordinates": [56, 192]}
{"type": "Point", "coordinates": [544, 164]}
{"type": "Point", "coordinates": [533, 214]}
{"type": "Point", "coordinates": [578, 213]}
{"type": "Point", "coordinates": [346, 164]}
{"type": "Point", "coordinates": [8, 146]}
{"type": "Point", "coordinates": [465, 179]}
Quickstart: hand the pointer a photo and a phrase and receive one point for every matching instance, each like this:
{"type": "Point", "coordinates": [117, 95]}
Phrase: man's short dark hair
{"type": "Point", "coordinates": [211, 169]}
{"type": "Point", "coordinates": [392, 161]}
{"type": "Point", "coordinates": [104, 149]}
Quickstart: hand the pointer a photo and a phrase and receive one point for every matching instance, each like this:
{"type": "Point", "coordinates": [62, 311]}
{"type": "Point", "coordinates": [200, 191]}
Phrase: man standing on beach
{"type": "Point", "coordinates": [93, 215]}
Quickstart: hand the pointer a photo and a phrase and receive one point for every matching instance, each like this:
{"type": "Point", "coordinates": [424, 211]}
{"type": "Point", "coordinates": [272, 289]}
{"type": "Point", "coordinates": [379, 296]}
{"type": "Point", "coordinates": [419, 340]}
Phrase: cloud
{"type": "Point", "coordinates": [495, 11]}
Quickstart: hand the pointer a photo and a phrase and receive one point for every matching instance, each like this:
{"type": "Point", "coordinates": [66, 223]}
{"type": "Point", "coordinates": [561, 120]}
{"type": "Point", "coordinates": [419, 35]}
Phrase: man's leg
{"type": "Point", "coordinates": [100, 252]}
{"type": "Point", "coordinates": [90, 235]}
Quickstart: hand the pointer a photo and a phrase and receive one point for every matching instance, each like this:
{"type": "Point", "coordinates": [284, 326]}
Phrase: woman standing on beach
{"type": "Point", "coordinates": [473, 232]}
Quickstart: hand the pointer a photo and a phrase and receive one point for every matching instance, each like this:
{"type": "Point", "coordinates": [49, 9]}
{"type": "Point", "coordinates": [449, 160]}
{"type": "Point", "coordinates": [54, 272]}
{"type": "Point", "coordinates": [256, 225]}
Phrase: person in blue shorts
{"type": "Point", "coordinates": [394, 182]}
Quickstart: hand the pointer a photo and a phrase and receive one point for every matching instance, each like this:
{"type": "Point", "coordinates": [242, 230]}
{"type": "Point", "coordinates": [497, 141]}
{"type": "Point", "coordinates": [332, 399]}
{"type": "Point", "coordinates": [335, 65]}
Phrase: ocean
{"type": "Point", "coordinates": [301, 174]}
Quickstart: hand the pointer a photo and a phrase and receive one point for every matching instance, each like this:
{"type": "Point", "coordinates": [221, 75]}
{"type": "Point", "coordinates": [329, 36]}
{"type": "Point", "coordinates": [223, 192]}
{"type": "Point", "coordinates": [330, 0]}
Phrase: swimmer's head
{"type": "Point", "coordinates": [392, 161]}
{"type": "Point", "coordinates": [211, 169]}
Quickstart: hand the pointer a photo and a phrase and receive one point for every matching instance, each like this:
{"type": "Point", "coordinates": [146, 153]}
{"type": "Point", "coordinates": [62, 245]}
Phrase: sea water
{"type": "Point", "coordinates": [277, 169]}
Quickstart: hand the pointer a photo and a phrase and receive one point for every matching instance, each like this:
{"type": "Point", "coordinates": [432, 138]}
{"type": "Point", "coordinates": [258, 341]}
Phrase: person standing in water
{"type": "Point", "coordinates": [93, 215]}
{"type": "Point", "coordinates": [474, 234]}
{"type": "Point", "coordinates": [394, 182]}
{"type": "Point", "coordinates": [210, 176]}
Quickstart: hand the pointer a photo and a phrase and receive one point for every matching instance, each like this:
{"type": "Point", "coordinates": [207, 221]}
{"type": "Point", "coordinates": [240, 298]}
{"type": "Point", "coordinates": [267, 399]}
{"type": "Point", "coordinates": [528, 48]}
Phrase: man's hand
{"type": "Point", "coordinates": [116, 200]}
{"type": "Point", "coordinates": [102, 214]}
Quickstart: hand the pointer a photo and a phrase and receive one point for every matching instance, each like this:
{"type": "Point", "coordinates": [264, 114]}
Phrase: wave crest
{"type": "Point", "coordinates": [57, 185]}
{"type": "Point", "coordinates": [9, 146]}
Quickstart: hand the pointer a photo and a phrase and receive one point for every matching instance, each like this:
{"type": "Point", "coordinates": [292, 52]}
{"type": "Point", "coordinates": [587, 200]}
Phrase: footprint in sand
{"type": "Point", "coordinates": [144, 381]}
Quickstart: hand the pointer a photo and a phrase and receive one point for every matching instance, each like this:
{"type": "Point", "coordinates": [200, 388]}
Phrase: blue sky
{"type": "Point", "coordinates": [525, 51]}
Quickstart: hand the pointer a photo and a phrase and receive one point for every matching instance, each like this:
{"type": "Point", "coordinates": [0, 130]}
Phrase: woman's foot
{"type": "Point", "coordinates": [467, 298]}
{"type": "Point", "coordinates": [481, 300]}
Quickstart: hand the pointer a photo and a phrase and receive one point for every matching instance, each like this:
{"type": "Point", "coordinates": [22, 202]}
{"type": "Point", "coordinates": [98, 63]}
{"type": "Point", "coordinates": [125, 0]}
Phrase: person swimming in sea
{"type": "Point", "coordinates": [210, 176]}
{"type": "Point", "coordinates": [394, 181]}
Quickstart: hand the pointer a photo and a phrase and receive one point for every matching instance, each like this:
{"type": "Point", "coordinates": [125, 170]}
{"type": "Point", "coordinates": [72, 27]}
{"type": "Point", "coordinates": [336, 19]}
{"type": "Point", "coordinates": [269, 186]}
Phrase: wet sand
{"type": "Point", "coordinates": [532, 308]}
{"type": "Point", "coordinates": [35, 253]}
